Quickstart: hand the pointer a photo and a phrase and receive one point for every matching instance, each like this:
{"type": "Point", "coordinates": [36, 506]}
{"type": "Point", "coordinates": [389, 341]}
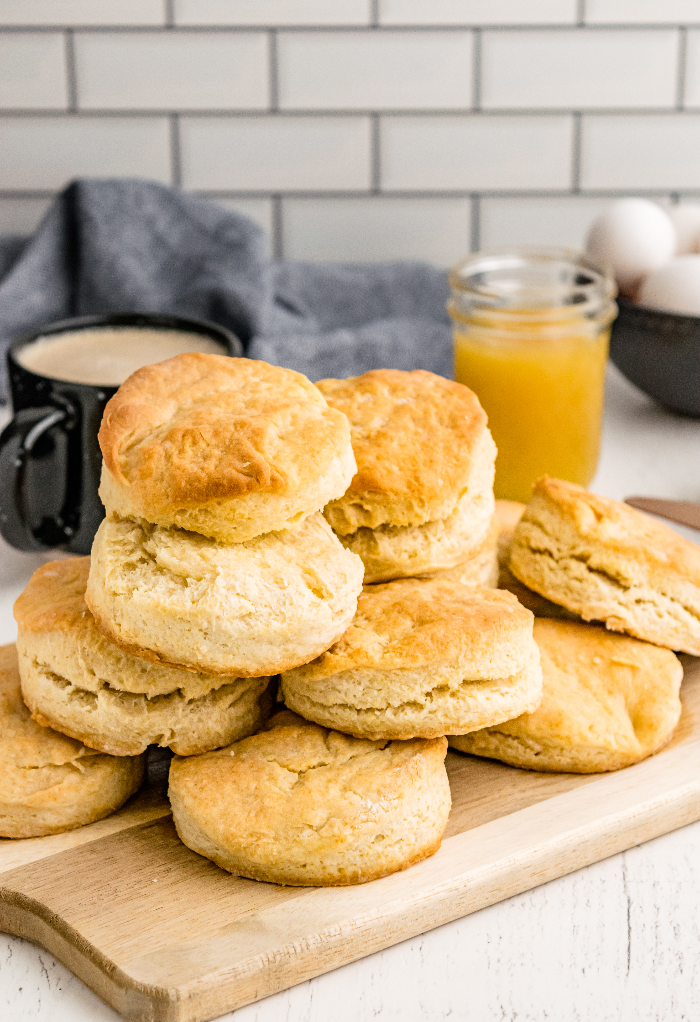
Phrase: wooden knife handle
{"type": "Point", "coordinates": [682, 511]}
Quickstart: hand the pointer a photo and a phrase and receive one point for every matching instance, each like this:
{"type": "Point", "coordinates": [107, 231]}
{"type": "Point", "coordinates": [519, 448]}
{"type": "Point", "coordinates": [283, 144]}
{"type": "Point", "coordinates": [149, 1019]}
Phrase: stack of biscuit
{"type": "Point", "coordinates": [429, 652]}
{"type": "Point", "coordinates": [244, 505]}
{"type": "Point", "coordinates": [432, 650]}
{"type": "Point", "coordinates": [76, 681]}
{"type": "Point", "coordinates": [421, 502]}
{"type": "Point", "coordinates": [214, 555]}
{"type": "Point", "coordinates": [212, 571]}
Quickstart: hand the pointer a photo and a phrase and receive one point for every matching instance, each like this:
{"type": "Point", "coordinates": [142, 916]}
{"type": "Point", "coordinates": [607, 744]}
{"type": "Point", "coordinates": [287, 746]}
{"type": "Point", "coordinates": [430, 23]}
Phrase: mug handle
{"type": "Point", "coordinates": [17, 444]}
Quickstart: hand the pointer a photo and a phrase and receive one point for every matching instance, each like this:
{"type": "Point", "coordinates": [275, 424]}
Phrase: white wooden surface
{"type": "Point", "coordinates": [616, 942]}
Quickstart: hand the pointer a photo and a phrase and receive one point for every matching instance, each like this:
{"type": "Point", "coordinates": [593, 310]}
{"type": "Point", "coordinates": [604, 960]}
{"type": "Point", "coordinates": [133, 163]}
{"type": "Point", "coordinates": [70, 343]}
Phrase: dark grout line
{"type": "Point", "coordinates": [175, 152]}
{"type": "Point", "coordinates": [71, 73]}
{"type": "Point", "coordinates": [277, 227]}
{"type": "Point", "coordinates": [682, 66]}
{"type": "Point", "coordinates": [476, 70]}
{"type": "Point", "coordinates": [581, 13]}
{"type": "Point", "coordinates": [345, 193]}
{"type": "Point", "coordinates": [374, 13]}
{"type": "Point", "coordinates": [169, 13]}
{"type": "Point", "coordinates": [432, 27]}
{"type": "Point", "coordinates": [360, 112]}
{"type": "Point", "coordinates": [375, 154]}
{"type": "Point", "coordinates": [273, 71]}
{"type": "Point", "coordinates": [475, 226]}
{"type": "Point", "coordinates": [576, 154]}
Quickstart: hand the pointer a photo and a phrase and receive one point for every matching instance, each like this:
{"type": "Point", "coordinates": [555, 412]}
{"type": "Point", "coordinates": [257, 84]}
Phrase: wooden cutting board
{"type": "Point", "coordinates": [163, 934]}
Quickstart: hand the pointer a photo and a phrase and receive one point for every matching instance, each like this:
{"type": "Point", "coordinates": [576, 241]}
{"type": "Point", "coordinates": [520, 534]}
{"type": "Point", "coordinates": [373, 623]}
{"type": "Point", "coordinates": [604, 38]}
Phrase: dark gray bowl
{"type": "Point", "coordinates": [660, 353]}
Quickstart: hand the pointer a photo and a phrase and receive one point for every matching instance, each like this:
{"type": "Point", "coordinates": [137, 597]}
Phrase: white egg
{"type": "Point", "coordinates": [674, 287]}
{"type": "Point", "coordinates": [686, 220]}
{"type": "Point", "coordinates": [633, 236]}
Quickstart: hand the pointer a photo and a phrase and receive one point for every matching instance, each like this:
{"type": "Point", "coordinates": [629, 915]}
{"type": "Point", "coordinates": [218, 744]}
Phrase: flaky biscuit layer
{"type": "Point", "coordinates": [245, 609]}
{"type": "Point", "coordinates": [390, 552]}
{"type": "Point", "coordinates": [606, 561]}
{"type": "Point", "coordinates": [48, 782]}
{"type": "Point", "coordinates": [422, 658]}
{"type": "Point", "coordinates": [59, 632]}
{"type": "Point", "coordinates": [480, 570]}
{"type": "Point", "coordinates": [126, 723]}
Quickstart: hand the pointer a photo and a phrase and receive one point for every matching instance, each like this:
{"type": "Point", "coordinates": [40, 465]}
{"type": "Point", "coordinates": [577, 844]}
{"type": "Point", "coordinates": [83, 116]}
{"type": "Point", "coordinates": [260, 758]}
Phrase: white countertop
{"type": "Point", "coordinates": [615, 942]}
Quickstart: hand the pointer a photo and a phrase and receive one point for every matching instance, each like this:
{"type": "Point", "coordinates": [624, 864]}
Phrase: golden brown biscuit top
{"type": "Point", "coordinates": [310, 777]}
{"type": "Point", "coordinates": [25, 745]}
{"type": "Point", "coordinates": [415, 623]}
{"type": "Point", "coordinates": [617, 527]}
{"type": "Point", "coordinates": [415, 437]}
{"type": "Point", "coordinates": [54, 598]}
{"type": "Point", "coordinates": [199, 428]}
{"type": "Point", "coordinates": [599, 688]}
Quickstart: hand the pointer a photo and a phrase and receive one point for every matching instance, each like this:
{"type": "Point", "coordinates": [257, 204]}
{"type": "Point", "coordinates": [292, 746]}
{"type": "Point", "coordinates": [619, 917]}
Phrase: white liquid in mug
{"type": "Point", "coordinates": [106, 356]}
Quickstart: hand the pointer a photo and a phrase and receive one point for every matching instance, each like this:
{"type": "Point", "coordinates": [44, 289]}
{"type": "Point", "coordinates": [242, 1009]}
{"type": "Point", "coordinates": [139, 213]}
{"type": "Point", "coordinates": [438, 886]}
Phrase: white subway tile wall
{"type": "Point", "coordinates": [43, 153]}
{"type": "Point", "coordinates": [475, 153]}
{"type": "Point", "coordinates": [276, 153]}
{"type": "Point", "coordinates": [33, 71]}
{"type": "Point", "coordinates": [642, 12]}
{"type": "Point", "coordinates": [366, 70]}
{"type": "Point", "coordinates": [573, 69]}
{"type": "Point", "coordinates": [533, 221]}
{"type": "Point", "coordinates": [358, 129]}
{"type": "Point", "coordinates": [478, 12]}
{"type": "Point", "coordinates": [649, 151]}
{"type": "Point", "coordinates": [273, 12]}
{"type": "Point", "coordinates": [377, 228]}
{"type": "Point", "coordinates": [692, 70]}
{"type": "Point", "coordinates": [171, 71]}
{"type": "Point", "coordinates": [73, 13]}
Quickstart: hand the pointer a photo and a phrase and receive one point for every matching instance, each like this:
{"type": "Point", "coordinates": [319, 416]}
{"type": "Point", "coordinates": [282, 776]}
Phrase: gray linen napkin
{"type": "Point", "coordinates": [120, 245]}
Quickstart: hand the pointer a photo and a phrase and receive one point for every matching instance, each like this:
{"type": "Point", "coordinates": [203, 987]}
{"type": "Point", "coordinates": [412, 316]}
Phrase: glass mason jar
{"type": "Point", "coordinates": [531, 335]}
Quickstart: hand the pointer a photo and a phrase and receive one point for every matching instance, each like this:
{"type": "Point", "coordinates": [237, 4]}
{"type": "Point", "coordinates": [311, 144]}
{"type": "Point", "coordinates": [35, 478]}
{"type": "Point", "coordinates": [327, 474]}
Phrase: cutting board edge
{"type": "Point", "coordinates": [251, 979]}
{"type": "Point", "coordinates": [261, 979]}
{"type": "Point", "coordinates": [28, 918]}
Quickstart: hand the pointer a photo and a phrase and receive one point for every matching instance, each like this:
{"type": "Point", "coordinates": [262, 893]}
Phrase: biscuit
{"type": "Point", "coordinates": [609, 701]}
{"type": "Point", "coordinates": [391, 552]}
{"type": "Point", "coordinates": [607, 562]}
{"type": "Point", "coordinates": [421, 444]}
{"type": "Point", "coordinates": [508, 514]}
{"type": "Point", "coordinates": [227, 447]}
{"type": "Point", "coordinates": [245, 609]}
{"type": "Point", "coordinates": [76, 680]}
{"type": "Point", "coordinates": [50, 783]}
{"type": "Point", "coordinates": [422, 658]}
{"type": "Point", "coordinates": [336, 810]}
{"type": "Point", "coordinates": [480, 570]}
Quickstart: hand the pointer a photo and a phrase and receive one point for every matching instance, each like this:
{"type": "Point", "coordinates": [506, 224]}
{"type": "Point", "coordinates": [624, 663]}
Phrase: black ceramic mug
{"type": "Point", "coordinates": [50, 459]}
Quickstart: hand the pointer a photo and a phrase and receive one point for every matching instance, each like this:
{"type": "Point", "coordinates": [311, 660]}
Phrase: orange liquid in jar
{"type": "Point", "coordinates": [539, 375]}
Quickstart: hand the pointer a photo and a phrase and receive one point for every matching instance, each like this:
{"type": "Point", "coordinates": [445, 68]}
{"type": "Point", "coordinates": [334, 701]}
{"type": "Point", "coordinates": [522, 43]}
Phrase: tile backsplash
{"type": "Point", "coordinates": [358, 129]}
